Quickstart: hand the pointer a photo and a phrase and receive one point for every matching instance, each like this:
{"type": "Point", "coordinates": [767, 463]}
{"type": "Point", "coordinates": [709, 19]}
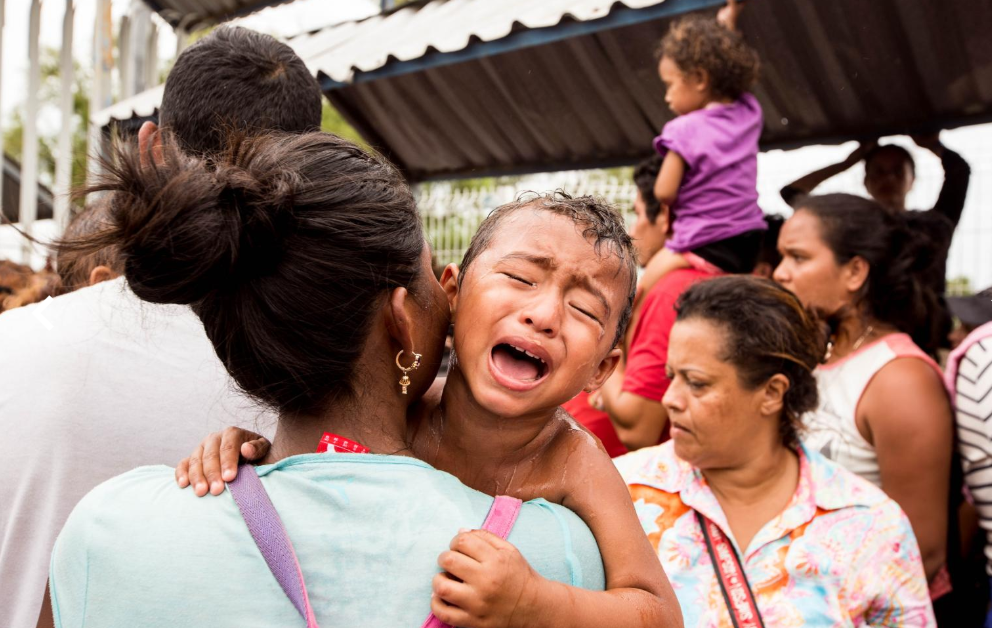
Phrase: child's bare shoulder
{"type": "Point", "coordinates": [574, 446]}
{"type": "Point", "coordinates": [575, 437]}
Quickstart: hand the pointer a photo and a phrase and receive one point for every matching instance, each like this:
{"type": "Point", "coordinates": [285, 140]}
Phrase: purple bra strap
{"type": "Point", "coordinates": [502, 515]}
{"type": "Point", "coordinates": [270, 536]}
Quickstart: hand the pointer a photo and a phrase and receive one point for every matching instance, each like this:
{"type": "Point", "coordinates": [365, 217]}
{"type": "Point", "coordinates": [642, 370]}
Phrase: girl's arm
{"type": "Point", "coordinates": [666, 186]}
{"type": "Point", "coordinates": [909, 421]}
{"type": "Point", "coordinates": [488, 583]}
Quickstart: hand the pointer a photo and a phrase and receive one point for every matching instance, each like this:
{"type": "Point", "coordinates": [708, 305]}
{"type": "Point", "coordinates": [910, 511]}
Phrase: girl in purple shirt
{"type": "Point", "coordinates": [708, 175]}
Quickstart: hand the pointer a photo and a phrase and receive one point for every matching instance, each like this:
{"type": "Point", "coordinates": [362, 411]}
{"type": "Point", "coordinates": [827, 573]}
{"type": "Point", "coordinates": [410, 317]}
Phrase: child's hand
{"type": "Point", "coordinates": [596, 401]}
{"type": "Point", "coordinates": [487, 583]}
{"type": "Point", "coordinates": [215, 460]}
{"type": "Point", "coordinates": [727, 15]}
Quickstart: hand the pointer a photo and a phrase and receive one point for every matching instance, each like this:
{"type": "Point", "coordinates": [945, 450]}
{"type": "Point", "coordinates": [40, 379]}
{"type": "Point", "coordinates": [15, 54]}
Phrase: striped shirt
{"type": "Point", "coordinates": [973, 405]}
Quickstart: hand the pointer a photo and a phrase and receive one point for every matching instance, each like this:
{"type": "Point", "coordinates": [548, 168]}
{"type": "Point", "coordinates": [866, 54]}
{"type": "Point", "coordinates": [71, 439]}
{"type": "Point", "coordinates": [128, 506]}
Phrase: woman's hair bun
{"type": "Point", "coordinates": [285, 245]}
{"type": "Point", "coordinates": [188, 227]}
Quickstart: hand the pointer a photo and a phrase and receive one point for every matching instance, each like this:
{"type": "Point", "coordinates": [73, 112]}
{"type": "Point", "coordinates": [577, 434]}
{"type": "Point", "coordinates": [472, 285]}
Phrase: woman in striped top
{"type": "Point", "coordinates": [969, 380]}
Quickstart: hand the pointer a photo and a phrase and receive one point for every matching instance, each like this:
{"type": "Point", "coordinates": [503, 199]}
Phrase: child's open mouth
{"type": "Point", "coordinates": [517, 366]}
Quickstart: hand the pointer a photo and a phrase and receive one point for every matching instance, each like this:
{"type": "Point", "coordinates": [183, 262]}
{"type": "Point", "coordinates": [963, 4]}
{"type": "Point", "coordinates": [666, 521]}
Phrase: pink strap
{"type": "Point", "coordinates": [502, 515]}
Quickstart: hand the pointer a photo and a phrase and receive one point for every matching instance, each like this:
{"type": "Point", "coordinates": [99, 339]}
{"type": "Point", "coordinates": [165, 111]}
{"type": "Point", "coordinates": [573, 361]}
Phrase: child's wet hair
{"type": "Point", "coordinates": [698, 42]}
{"type": "Point", "coordinates": [601, 223]}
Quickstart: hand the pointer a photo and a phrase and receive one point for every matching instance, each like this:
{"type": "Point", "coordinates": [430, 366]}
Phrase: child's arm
{"type": "Point", "coordinates": [488, 583]}
{"type": "Point", "coordinates": [666, 186]}
{"type": "Point", "coordinates": [215, 460]}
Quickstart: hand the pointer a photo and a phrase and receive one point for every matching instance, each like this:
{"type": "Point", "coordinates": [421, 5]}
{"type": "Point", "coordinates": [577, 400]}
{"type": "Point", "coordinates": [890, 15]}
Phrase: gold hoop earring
{"type": "Point", "coordinates": [405, 380]}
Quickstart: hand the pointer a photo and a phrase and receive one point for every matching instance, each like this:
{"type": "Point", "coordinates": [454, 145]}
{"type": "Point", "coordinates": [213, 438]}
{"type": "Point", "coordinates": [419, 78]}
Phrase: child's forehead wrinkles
{"type": "Point", "coordinates": [546, 262]}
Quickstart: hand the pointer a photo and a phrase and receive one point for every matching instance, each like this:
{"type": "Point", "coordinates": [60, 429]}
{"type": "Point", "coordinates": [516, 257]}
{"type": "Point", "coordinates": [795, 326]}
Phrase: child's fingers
{"type": "Point", "coordinates": [211, 463]}
{"type": "Point", "coordinates": [494, 542]}
{"type": "Point", "coordinates": [446, 612]}
{"type": "Point", "coordinates": [453, 592]}
{"type": "Point", "coordinates": [458, 565]}
{"type": "Point", "coordinates": [231, 440]}
{"type": "Point", "coordinates": [472, 545]}
{"type": "Point", "coordinates": [255, 449]}
{"type": "Point", "coordinates": [196, 479]}
{"type": "Point", "coordinates": [182, 473]}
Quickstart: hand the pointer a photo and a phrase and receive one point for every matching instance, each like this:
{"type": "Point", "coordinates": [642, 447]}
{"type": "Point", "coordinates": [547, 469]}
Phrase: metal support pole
{"type": "Point", "coordinates": [29, 160]}
{"type": "Point", "coordinates": [103, 64]}
{"type": "Point", "coordinates": [63, 163]}
{"type": "Point", "coordinates": [2, 154]}
{"type": "Point", "coordinates": [125, 70]}
{"type": "Point", "coordinates": [151, 56]}
{"type": "Point", "coordinates": [182, 40]}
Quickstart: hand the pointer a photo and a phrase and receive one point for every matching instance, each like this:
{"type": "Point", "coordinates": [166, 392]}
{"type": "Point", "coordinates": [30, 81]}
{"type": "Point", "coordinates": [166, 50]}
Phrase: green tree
{"type": "Point", "coordinates": [333, 122]}
{"type": "Point", "coordinates": [48, 101]}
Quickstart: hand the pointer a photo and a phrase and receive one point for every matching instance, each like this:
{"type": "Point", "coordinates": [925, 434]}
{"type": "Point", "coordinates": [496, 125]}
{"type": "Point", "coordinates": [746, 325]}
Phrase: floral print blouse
{"type": "Point", "coordinates": [841, 553]}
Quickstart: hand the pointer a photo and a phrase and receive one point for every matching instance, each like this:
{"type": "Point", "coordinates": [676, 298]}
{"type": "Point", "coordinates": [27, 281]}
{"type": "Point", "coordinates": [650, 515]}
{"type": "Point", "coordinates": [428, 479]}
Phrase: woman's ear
{"type": "Point", "coordinates": [449, 281]}
{"type": "Point", "coordinates": [773, 395]}
{"type": "Point", "coordinates": [398, 321]}
{"type": "Point", "coordinates": [855, 273]}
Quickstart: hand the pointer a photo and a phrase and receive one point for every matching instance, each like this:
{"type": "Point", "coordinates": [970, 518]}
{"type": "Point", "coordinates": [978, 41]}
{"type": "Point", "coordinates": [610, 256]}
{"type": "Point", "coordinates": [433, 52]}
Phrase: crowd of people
{"type": "Point", "coordinates": [764, 427]}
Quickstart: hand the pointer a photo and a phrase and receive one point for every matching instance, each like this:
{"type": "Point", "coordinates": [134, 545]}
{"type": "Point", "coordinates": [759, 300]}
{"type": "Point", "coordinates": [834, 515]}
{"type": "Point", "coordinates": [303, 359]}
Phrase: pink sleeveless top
{"type": "Point", "coordinates": [831, 428]}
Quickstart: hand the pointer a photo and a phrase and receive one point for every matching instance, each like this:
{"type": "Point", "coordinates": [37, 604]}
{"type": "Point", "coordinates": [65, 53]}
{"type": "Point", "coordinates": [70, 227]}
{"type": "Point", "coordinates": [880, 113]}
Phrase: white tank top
{"type": "Point", "coordinates": [831, 428]}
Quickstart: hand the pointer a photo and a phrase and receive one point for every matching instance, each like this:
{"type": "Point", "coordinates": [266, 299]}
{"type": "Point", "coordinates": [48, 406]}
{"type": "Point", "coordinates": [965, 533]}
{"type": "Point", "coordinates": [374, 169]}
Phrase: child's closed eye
{"type": "Point", "coordinates": [520, 279]}
{"type": "Point", "coordinates": [587, 314]}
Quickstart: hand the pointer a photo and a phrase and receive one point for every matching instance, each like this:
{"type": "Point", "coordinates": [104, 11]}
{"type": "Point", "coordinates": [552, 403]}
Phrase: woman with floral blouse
{"type": "Point", "coordinates": [742, 516]}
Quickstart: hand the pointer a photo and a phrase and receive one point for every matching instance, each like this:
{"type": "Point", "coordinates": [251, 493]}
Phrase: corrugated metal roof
{"type": "Point", "coordinates": [192, 14]}
{"type": "Point", "coordinates": [12, 192]}
{"type": "Point", "coordinates": [480, 87]}
{"type": "Point", "coordinates": [443, 26]}
{"type": "Point", "coordinates": [141, 105]}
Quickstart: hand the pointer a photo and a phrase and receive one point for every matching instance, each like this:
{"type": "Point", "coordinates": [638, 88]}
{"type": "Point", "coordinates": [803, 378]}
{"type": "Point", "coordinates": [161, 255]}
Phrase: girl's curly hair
{"type": "Point", "coordinates": [698, 42]}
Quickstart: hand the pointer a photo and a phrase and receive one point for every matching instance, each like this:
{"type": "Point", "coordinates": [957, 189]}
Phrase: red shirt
{"type": "Point", "coordinates": [645, 361]}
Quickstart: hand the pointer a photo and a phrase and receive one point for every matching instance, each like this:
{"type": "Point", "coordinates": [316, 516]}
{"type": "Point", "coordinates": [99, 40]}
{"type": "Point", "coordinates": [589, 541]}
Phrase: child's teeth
{"type": "Point", "coordinates": [534, 356]}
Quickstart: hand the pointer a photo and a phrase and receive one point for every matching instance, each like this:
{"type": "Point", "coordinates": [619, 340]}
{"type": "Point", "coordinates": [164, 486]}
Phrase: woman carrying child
{"type": "Point", "coordinates": [309, 270]}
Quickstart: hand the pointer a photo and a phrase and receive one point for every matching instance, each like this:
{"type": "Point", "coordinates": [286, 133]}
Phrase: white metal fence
{"type": "Point", "coordinates": [452, 216]}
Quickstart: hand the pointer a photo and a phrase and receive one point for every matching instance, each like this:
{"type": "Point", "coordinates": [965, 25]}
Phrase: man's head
{"type": "Point", "coordinates": [653, 221]}
{"type": "Point", "coordinates": [541, 300]}
{"type": "Point", "coordinates": [79, 270]}
{"type": "Point", "coordinates": [236, 78]}
{"type": "Point", "coordinates": [889, 175]}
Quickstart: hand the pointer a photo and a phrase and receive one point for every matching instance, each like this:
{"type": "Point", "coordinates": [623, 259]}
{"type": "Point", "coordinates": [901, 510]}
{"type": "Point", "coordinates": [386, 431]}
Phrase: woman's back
{"type": "Point", "coordinates": [367, 531]}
